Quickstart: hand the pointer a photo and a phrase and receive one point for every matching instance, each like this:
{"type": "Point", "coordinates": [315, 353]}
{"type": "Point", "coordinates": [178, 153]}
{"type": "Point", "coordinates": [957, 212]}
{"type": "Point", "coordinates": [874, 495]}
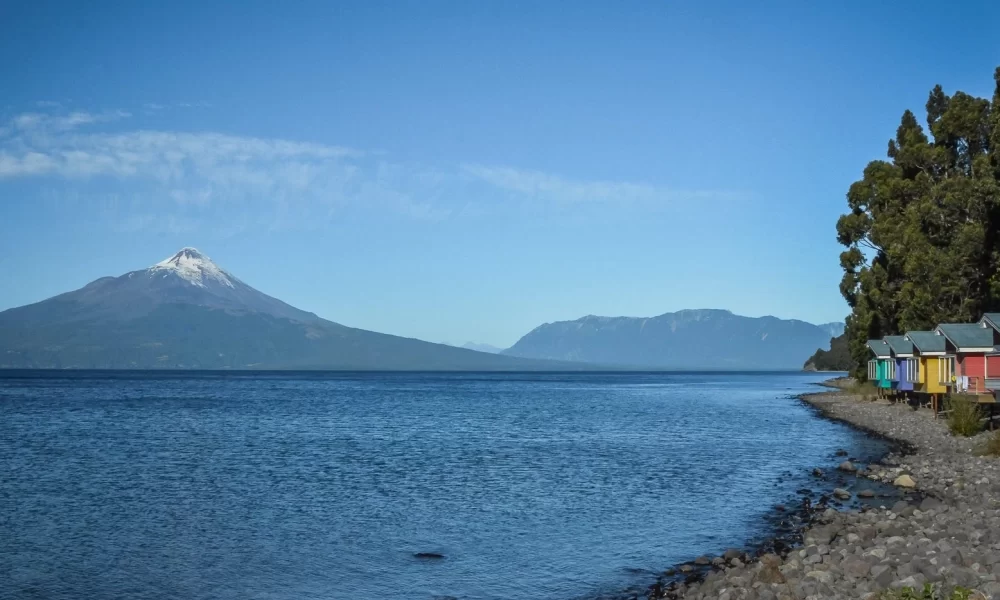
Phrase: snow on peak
{"type": "Point", "coordinates": [194, 267]}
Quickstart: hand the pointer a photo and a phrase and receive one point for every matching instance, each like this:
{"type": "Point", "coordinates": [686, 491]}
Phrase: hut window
{"type": "Point", "coordinates": [946, 368]}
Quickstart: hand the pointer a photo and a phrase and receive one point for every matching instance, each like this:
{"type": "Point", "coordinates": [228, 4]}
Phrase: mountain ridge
{"type": "Point", "coordinates": [685, 339]}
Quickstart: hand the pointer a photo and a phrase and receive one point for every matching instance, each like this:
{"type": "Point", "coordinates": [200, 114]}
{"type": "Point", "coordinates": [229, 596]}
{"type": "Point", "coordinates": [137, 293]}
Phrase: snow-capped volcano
{"type": "Point", "coordinates": [187, 278]}
{"type": "Point", "coordinates": [195, 267]}
{"type": "Point", "coordinates": [188, 312]}
{"type": "Point", "coordinates": [190, 277]}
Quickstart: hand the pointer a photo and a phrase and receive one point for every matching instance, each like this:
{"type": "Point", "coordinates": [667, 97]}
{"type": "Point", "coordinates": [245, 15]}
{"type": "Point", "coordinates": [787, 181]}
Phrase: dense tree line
{"type": "Point", "coordinates": [837, 358]}
{"type": "Point", "coordinates": [923, 231]}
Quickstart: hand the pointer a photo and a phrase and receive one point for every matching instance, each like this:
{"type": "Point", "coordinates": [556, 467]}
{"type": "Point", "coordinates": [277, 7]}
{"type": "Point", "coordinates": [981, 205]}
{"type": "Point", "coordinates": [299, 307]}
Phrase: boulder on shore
{"type": "Point", "coordinates": [731, 554]}
{"type": "Point", "coordinates": [905, 481]}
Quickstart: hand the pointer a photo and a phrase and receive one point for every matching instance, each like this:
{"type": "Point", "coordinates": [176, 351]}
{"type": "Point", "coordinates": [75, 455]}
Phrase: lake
{"type": "Point", "coordinates": [273, 486]}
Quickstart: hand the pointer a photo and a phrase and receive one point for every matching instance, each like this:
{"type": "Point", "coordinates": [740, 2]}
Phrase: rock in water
{"type": "Point", "coordinates": [428, 555]}
{"type": "Point", "coordinates": [847, 466]}
{"type": "Point", "coordinates": [842, 494]}
{"type": "Point", "coordinates": [702, 560]}
{"type": "Point", "coordinates": [866, 494]}
{"type": "Point", "coordinates": [905, 481]}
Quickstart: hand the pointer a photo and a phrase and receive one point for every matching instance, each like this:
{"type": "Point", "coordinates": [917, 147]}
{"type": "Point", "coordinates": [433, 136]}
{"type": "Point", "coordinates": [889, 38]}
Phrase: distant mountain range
{"type": "Point", "coordinates": [481, 348]}
{"type": "Point", "coordinates": [187, 312]}
{"type": "Point", "coordinates": [687, 339]}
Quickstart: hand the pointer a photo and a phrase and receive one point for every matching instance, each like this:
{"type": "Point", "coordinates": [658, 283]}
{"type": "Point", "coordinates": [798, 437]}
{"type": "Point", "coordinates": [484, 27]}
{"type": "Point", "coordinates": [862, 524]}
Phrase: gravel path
{"type": "Point", "coordinates": [951, 537]}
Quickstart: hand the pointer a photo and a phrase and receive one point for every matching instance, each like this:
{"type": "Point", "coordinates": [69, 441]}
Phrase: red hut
{"type": "Point", "coordinates": [971, 343]}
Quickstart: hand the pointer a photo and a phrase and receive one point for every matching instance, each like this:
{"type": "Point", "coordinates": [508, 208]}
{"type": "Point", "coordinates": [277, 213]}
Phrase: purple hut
{"type": "Point", "coordinates": [907, 371]}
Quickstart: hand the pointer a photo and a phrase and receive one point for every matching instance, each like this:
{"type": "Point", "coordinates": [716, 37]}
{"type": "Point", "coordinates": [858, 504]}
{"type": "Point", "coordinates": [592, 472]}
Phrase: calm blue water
{"type": "Point", "coordinates": [297, 486]}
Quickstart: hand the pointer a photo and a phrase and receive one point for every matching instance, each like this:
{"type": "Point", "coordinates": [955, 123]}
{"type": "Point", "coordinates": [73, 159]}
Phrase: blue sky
{"type": "Point", "coordinates": [463, 170]}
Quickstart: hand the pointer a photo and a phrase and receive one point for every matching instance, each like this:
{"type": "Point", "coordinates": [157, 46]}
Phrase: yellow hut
{"type": "Point", "coordinates": [937, 368]}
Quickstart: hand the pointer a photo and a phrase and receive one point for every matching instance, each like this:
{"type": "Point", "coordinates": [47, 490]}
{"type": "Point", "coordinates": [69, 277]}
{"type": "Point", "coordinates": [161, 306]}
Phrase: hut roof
{"type": "Point", "coordinates": [968, 337]}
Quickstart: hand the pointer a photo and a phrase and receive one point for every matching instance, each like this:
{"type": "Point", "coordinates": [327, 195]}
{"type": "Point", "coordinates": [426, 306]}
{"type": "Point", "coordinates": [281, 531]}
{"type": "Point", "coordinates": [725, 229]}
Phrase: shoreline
{"type": "Point", "coordinates": [786, 522]}
{"type": "Point", "coordinates": [943, 530]}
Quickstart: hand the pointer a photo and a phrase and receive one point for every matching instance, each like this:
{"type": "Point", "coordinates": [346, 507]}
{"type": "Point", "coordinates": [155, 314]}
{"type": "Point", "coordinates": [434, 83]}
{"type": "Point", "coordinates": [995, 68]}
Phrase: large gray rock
{"type": "Point", "coordinates": [913, 581]}
{"type": "Point", "coordinates": [882, 575]}
{"type": "Point", "coordinates": [821, 576]}
{"type": "Point", "coordinates": [819, 535]}
{"type": "Point", "coordinates": [731, 554]}
{"type": "Point", "coordinates": [929, 503]}
{"type": "Point", "coordinates": [855, 567]}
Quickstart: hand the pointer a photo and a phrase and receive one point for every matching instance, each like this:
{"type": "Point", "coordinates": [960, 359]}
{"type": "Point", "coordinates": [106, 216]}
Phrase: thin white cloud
{"type": "Point", "coordinates": [26, 121]}
{"type": "Point", "coordinates": [29, 163]}
{"type": "Point", "coordinates": [35, 121]}
{"type": "Point", "coordinates": [179, 180]}
{"type": "Point", "coordinates": [162, 156]}
{"type": "Point", "coordinates": [536, 185]}
{"type": "Point", "coordinates": [151, 107]}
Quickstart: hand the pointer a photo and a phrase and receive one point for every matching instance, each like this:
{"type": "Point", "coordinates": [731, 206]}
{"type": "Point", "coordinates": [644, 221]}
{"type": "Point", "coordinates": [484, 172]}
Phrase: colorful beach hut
{"type": "Point", "coordinates": [906, 374]}
{"type": "Point", "coordinates": [970, 343]}
{"type": "Point", "coordinates": [992, 321]}
{"type": "Point", "coordinates": [881, 368]}
{"type": "Point", "coordinates": [934, 365]}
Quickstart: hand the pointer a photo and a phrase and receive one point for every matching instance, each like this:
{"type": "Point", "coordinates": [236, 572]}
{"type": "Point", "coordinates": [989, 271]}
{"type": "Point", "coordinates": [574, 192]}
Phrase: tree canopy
{"type": "Point", "coordinates": [922, 238]}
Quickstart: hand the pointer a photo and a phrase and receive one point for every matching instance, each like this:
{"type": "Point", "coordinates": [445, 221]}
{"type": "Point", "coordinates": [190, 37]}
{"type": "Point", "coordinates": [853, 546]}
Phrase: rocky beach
{"type": "Point", "coordinates": [942, 528]}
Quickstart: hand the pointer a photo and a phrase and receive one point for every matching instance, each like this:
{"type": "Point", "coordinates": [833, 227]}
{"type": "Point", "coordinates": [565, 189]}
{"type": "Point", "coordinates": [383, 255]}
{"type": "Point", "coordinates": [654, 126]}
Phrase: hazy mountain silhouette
{"type": "Point", "coordinates": [688, 339]}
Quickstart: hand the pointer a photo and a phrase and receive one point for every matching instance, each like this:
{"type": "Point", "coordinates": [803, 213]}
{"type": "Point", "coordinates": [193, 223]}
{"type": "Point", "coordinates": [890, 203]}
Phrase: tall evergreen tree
{"type": "Point", "coordinates": [923, 231]}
